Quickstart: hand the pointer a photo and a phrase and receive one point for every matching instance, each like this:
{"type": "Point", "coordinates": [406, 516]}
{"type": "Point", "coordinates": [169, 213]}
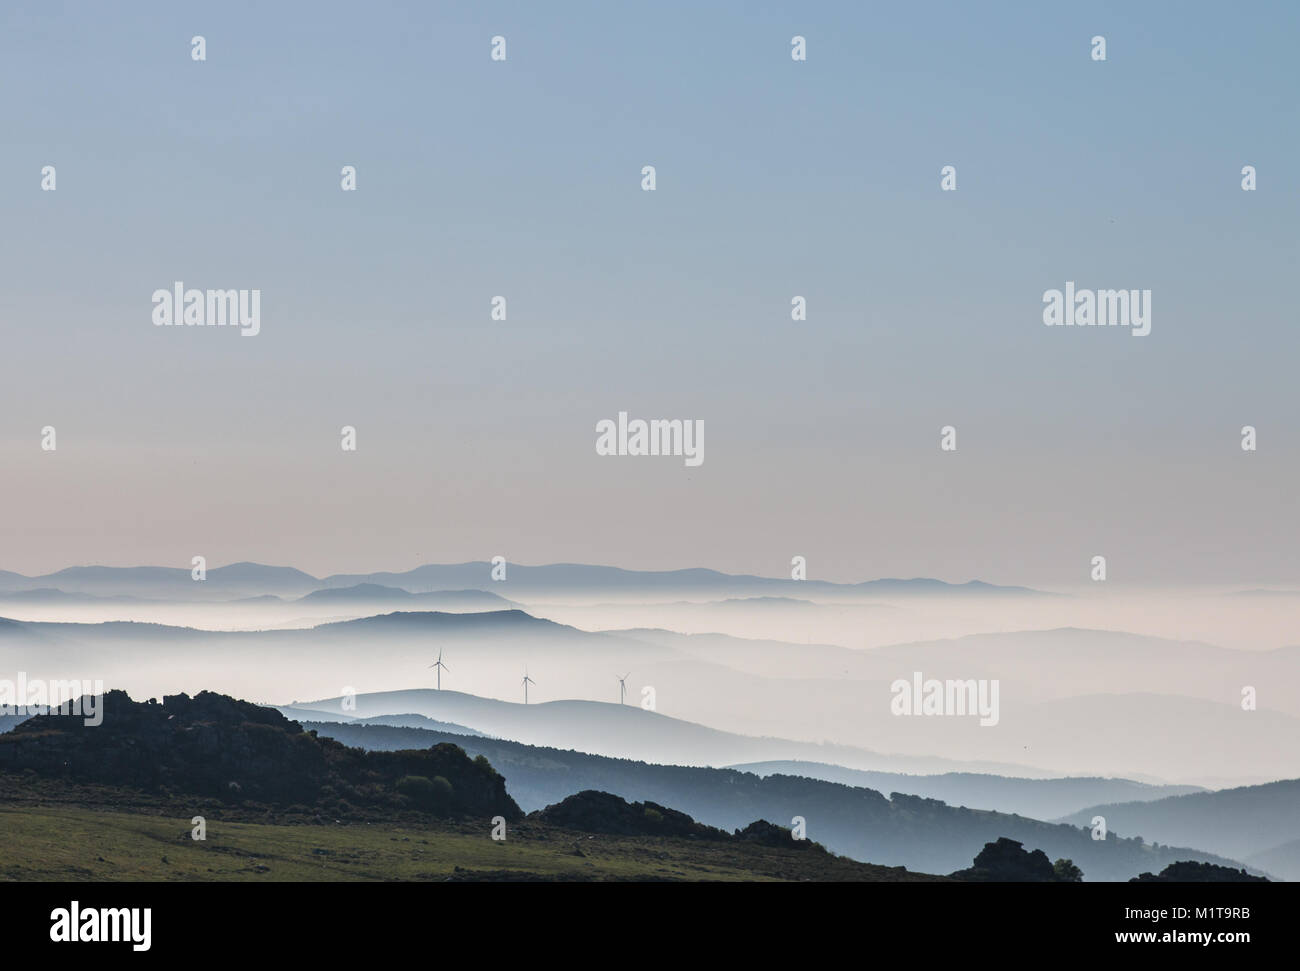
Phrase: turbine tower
{"type": "Point", "coordinates": [622, 686]}
{"type": "Point", "coordinates": [441, 667]}
{"type": "Point", "coordinates": [526, 682]}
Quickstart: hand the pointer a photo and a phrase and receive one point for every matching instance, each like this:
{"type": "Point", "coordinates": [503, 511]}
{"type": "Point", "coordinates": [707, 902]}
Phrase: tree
{"type": "Point", "coordinates": [1067, 872]}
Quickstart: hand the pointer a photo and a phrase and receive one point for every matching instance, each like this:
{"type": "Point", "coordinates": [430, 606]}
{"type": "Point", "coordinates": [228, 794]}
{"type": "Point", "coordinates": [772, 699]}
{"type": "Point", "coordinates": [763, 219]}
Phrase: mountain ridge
{"type": "Point", "coordinates": [472, 575]}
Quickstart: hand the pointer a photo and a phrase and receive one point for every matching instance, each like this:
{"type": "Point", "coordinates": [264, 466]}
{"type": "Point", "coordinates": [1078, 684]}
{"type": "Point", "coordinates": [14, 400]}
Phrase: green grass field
{"type": "Point", "coordinates": [73, 843]}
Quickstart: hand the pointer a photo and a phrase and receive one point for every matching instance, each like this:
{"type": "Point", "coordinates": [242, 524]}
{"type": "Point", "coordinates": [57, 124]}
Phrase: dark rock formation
{"type": "Point", "coordinates": [1193, 872]}
{"type": "Point", "coordinates": [599, 812]}
{"type": "Point", "coordinates": [1007, 861]}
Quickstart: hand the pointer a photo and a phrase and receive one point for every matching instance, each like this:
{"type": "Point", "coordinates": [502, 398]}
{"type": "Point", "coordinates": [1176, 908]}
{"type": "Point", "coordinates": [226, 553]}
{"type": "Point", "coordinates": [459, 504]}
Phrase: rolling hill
{"type": "Point", "coordinates": [902, 830]}
{"type": "Point", "coordinates": [605, 728]}
{"type": "Point", "coordinates": [1258, 824]}
{"type": "Point", "coordinates": [1039, 798]}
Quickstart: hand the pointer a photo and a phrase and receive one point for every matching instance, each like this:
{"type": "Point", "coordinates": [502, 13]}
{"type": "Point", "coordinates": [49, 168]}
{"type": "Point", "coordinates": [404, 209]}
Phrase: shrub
{"type": "Point", "coordinates": [431, 794]}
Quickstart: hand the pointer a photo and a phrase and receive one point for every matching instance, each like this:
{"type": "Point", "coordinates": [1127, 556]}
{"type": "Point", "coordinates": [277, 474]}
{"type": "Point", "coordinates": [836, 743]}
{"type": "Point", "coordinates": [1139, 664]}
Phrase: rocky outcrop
{"type": "Point", "coordinates": [1194, 872]}
{"type": "Point", "coordinates": [590, 811]}
{"type": "Point", "coordinates": [1007, 861]}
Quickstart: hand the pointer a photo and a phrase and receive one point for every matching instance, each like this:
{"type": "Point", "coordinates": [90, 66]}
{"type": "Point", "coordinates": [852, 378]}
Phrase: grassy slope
{"type": "Point", "coordinates": [73, 843]}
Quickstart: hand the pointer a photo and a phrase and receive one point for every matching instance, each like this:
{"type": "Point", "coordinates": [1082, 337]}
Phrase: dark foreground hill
{"type": "Point", "coordinates": [116, 801]}
{"type": "Point", "coordinates": [121, 801]}
{"type": "Point", "coordinates": [242, 754]}
{"type": "Point", "coordinates": [56, 841]}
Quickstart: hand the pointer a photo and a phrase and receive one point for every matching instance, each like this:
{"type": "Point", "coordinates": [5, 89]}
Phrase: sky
{"type": "Point", "coordinates": [775, 178]}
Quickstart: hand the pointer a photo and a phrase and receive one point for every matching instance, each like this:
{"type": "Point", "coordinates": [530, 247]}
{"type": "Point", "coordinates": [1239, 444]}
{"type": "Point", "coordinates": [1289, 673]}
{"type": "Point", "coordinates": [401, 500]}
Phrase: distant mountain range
{"type": "Point", "coordinates": [251, 579]}
{"type": "Point", "coordinates": [241, 579]}
{"type": "Point", "coordinates": [368, 595]}
{"type": "Point", "coordinates": [373, 593]}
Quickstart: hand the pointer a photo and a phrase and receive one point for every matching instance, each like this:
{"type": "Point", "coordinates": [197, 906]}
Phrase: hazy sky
{"type": "Point", "coordinates": [775, 178]}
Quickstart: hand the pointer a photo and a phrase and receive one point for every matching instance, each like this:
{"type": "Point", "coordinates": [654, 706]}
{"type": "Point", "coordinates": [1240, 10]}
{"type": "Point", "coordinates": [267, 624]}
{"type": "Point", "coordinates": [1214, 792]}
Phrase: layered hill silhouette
{"type": "Point", "coordinates": [604, 728]}
{"type": "Point", "coordinates": [1061, 712]}
{"type": "Point", "coordinates": [405, 720]}
{"type": "Point", "coordinates": [902, 830]}
{"type": "Point", "coordinates": [1039, 798]}
{"type": "Point", "coordinates": [1259, 825]}
{"type": "Point", "coordinates": [251, 757]}
{"type": "Point", "coordinates": [542, 774]}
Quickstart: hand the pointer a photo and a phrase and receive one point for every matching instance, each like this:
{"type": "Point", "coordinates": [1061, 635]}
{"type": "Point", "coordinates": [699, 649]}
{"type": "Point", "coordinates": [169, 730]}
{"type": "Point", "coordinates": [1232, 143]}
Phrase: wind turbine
{"type": "Point", "coordinates": [622, 686]}
{"type": "Point", "coordinates": [526, 682]}
{"type": "Point", "coordinates": [440, 666]}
